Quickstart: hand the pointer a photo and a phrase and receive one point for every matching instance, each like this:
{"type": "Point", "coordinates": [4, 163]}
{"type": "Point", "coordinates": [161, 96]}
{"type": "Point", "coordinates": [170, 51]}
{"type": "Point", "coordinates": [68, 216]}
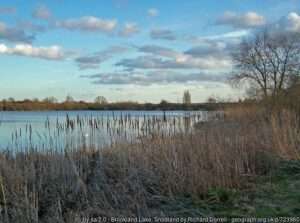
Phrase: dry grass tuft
{"type": "Point", "coordinates": [133, 179]}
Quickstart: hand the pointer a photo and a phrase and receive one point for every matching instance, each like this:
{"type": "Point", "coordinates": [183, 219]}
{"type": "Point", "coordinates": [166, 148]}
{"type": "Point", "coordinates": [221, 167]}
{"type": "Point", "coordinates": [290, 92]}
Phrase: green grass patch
{"type": "Point", "coordinates": [275, 194]}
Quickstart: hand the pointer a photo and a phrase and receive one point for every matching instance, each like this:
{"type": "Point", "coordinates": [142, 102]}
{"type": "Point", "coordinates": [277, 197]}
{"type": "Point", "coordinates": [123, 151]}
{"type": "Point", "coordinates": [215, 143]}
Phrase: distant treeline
{"type": "Point", "coordinates": [28, 105]}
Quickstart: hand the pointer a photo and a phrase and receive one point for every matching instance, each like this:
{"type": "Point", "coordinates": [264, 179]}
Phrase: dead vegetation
{"type": "Point", "coordinates": [135, 178]}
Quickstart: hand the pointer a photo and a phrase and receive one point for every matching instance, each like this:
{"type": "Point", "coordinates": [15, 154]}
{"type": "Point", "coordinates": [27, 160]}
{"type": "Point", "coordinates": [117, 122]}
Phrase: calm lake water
{"type": "Point", "coordinates": [60, 129]}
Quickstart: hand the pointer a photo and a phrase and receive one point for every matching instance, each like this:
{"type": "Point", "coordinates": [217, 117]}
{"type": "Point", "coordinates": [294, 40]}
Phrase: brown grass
{"type": "Point", "coordinates": [132, 179]}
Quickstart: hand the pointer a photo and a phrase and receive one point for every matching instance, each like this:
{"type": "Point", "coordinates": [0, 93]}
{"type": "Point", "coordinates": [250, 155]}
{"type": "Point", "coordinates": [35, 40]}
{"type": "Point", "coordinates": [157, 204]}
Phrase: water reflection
{"type": "Point", "coordinates": [187, 122]}
{"type": "Point", "coordinates": [60, 131]}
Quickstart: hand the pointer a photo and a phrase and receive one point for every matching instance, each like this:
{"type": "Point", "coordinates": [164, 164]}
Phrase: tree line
{"type": "Point", "coordinates": [101, 103]}
{"type": "Point", "coordinates": [51, 103]}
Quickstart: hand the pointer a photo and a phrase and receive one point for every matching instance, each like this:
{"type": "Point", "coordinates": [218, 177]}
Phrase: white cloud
{"type": "Point", "coordinates": [164, 34]}
{"type": "Point", "coordinates": [166, 58]}
{"type": "Point", "coordinates": [129, 29]}
{"type": "Point", "coordinates": [88, 23]}
{"type": "Point", "coordinates": [234, 36]}
{"type": "Point", "coordinates": [153, 12]}
{"type": "Point", "coordinates": [30, 26]}
{"type": "Point", "coordinates": [288, 24]}
{"type": "Point", "coordinates": [14, 34]}
{"type": "Point", "coordinates": [158, 50]}
{"type": "Point", "coordinates": [247, 20]}
{"type": "Point", "coordinates": [47, 53]}
{"type": "Point", "coordinates": [160, 77]}
{"type": "Point", "coordinates": [42, 12]}
{"type": "Point", "coordinates": [208, 48]}
{"type": "Point", "coordinates": [293, 22]}
{"type": "Point", "coordinates": [93, 61]}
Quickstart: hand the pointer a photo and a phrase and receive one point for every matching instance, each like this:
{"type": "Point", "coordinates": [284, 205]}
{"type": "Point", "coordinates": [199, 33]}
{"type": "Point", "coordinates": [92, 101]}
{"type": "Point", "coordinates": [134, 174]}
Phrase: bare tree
{"type": "Point", "coordinates": [11, 99]}
{"type": "Point", "coordinates": [69, 99]}
{"type": "Point", "coordinates": [267, 61]}
{"type": "Point", "coordinates": [211, 99]}
{"type": "Point", "coordinates": [101, 100]}
{"type": "Point", "coordinates": [50, 100]}
{"type": "Point", "coordinates": [186, 97]}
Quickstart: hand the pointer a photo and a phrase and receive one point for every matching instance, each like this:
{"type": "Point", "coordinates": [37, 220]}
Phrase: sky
{"type": "Point", "coordinates": [129, 50]}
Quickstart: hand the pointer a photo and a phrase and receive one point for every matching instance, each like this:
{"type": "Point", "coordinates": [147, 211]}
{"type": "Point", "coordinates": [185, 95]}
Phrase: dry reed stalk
{"type": "Point", "coordinates": [3, 199]}
{"type": "Point", "coordinates": [124, 178]}
{"type": "Point", "coordinates": [286, 137]}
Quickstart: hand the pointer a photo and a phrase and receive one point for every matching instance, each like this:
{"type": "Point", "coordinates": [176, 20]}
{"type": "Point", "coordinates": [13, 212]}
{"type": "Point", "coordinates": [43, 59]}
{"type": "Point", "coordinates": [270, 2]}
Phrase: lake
{"type": "Point", "coordinates": [58, 130]}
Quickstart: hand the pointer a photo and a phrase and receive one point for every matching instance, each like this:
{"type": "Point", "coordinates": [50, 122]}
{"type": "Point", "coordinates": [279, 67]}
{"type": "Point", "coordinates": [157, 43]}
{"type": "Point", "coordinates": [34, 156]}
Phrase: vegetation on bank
{"type": "Point", "coordinates": [275, 194]}
{"type": "Point", "coordinates": [193, 173]}
{"type": "Point", "coordinates": [101, 103]}
{"type": "Point", "coordinates": [29, 105]}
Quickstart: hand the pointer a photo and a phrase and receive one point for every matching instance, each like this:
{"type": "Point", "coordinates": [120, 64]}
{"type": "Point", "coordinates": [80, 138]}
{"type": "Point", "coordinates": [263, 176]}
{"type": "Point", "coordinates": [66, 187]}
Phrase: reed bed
{"type": "Point", "coordinates": [134, 176]}
{"type": "Point", "coordinates": [75, 132]}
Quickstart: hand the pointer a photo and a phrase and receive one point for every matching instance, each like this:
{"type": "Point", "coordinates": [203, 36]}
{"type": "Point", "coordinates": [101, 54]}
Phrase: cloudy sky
{"type": "Point", "coordinates": [138, 50]}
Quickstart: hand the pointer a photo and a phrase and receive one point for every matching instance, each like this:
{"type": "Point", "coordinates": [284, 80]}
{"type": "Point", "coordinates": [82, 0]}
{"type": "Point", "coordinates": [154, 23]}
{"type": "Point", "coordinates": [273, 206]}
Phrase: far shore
{"type": "Point", "coordinates": [28, 105]}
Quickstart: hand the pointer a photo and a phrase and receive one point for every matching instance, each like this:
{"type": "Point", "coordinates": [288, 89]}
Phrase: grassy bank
{"type": "Point", "coordinates": [225, 168]}
{"type": "Point", "coordinates": [275, 194]}
{"type": "Point", "coordinates": [31, 105]}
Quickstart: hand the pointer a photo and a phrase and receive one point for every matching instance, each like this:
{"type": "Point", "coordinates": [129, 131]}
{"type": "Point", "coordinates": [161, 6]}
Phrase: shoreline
{"type": "Point", "coordinates": [117, 106]}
